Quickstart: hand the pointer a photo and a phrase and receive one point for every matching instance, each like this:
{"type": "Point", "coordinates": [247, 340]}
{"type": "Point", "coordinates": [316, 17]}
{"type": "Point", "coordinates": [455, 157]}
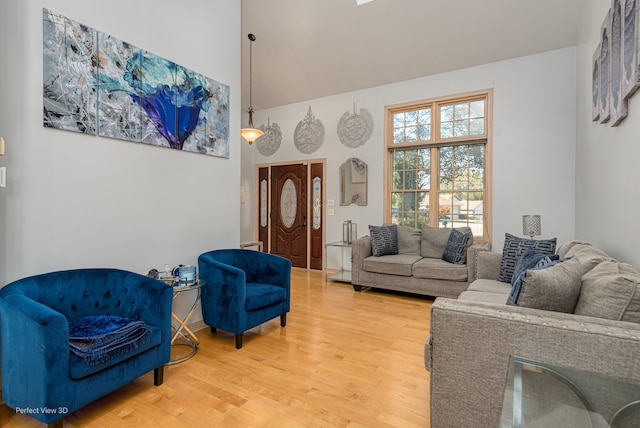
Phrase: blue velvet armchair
{"type": "Point", "coordinates": [242, 289]}
{"type": "Point", "coordinates": [40, 375]}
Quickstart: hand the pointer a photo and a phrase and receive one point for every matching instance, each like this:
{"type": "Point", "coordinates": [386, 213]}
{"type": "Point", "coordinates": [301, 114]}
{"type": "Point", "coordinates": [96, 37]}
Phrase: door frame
{"type": "Point", "coordinates": [323, 221]}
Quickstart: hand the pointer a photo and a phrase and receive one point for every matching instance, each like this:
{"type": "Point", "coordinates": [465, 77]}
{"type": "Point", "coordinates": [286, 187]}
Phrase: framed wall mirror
{"type": "Point", "coordinates": [353, 182]}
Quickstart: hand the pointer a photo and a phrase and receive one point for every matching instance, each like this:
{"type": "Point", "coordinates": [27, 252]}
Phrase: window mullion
{"type": "Point", "coordinates": [435, 187]}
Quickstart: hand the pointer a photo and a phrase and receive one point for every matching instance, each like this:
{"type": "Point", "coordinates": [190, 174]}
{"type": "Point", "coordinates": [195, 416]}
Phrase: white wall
{"type": "Point", "coordinates": [76, 200]}
{"type": "Point", "coordinates": [533, 151]}
{"type": "Point", "coordinates": [607, 172]}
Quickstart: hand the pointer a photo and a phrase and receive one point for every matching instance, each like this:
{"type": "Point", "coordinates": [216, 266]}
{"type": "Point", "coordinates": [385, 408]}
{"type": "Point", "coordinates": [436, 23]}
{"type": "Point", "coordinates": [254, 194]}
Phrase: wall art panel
{"type": "Point", "coordinates": [97, 84]}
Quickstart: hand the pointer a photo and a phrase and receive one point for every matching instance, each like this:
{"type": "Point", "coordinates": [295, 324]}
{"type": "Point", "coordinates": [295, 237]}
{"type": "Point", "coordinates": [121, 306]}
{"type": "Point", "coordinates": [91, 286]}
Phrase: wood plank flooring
{"type": "Point", "coordinates": [345, 359]}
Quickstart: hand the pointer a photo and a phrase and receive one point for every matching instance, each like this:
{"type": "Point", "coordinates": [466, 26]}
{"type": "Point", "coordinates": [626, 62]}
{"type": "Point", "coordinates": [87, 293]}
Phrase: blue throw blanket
{"type": "Point", "coordinates": [96, 338]}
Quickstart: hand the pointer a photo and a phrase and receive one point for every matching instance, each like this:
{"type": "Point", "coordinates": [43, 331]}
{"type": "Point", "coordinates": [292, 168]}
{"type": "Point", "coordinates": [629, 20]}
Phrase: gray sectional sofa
{"type": "Point", "coordinates": [418, 267]}
{"type": "Point", "coordinates": [473, 337]}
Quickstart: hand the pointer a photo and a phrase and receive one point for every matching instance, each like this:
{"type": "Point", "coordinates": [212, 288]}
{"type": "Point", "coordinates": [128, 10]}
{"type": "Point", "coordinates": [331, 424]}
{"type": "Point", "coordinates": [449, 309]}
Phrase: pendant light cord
{"type": "Point", "coordinates": [252, 38]}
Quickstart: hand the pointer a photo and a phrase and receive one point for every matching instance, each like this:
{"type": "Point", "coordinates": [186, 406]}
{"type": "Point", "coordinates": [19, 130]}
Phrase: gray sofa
{"type": "Point", "coordinates": [472, 338]}
{"type": "Point", "coordinates": [417, 268]}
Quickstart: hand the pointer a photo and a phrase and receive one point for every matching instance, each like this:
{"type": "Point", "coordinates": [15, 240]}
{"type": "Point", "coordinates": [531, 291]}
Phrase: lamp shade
{"type": "Point", "coordinates": [531, 225]}
{"type": "Point", "coordinates": [251, 134]}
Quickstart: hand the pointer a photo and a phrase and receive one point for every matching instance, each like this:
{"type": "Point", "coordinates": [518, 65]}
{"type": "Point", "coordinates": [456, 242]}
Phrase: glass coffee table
{"type": "Point", "coordinates": [539, 395]}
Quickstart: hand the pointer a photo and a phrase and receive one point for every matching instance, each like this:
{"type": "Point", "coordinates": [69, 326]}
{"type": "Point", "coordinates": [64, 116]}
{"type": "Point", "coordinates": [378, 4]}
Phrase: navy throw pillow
{"type": "Point", "coordinates": [384, 240]}
{"type": "Point", "coordinates": [513, 249]}
{"type": "Point", "coordinates": [456, 247]}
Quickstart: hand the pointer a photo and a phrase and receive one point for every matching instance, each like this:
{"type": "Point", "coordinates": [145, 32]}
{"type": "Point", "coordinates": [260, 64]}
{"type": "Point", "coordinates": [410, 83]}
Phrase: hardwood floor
{"type": "Point", "coordinates": [345, 359]}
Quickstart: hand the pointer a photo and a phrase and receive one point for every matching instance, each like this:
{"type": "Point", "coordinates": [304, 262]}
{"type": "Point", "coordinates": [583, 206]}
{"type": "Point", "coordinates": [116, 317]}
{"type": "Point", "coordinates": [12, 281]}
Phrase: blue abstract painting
{"type": "Point", "coordinates": [97, 84]}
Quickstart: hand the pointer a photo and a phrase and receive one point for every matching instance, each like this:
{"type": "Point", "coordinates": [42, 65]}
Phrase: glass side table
{"type": "Point", "coordinates": [539, 395]}
{"type": "Point", "coordinates": [343, 275]}
{"type": "Point", "coordinates": [182, 335]}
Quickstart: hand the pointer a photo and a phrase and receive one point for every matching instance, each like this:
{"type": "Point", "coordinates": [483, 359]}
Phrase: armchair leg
{"type": "Point", "coordinates": [158, 375]}
{"type": "Point", "coordinates": [238, 341]}
{"type": "Point", "coordinates": [56, 424]}
{"type": "Point", "coordinates": [213, 330]}
{"type": "Point", "coordinates": [283, 320]}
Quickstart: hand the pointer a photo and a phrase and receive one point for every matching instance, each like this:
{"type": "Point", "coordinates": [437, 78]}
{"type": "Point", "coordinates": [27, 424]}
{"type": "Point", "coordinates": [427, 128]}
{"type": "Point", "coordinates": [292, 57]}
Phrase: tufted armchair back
{"type": "Point", "coordinates": [100, 291]}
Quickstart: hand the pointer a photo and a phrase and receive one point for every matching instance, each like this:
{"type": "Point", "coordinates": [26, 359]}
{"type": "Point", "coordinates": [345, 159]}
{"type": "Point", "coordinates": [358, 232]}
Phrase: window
{"type": "Point", "coordinates": [437, 163]}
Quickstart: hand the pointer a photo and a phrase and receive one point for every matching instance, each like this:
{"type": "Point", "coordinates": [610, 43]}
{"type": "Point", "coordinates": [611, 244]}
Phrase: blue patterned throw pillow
{"type": "Point", "coordinates": [513, 249]}
{"type": "Point", "coordinates": [456, 247]}
{"type": "Point", "coordinates": [384, 240]}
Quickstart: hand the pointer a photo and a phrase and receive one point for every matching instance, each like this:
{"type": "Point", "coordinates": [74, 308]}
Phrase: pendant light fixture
{"type": "Point", "coordinates": [250, 133]}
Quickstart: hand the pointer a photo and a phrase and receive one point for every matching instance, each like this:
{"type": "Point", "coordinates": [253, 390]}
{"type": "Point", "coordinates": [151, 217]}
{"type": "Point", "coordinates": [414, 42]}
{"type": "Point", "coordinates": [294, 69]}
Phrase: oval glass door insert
{"type": "Point", "coordinates": [288, 203]}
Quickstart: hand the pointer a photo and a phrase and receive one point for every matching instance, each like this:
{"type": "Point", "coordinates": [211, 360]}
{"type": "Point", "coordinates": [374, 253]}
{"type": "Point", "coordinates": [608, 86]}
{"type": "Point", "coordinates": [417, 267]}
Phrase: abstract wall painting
{"type": "Point", "coordinates": [605, 63]}
{"type": "Point", "coordinates": [630, 46]}
{"type": "Point", "coordinates": [618, 102]}
{"type": "Point", "coordinates": [616, 63]}
{"type": "Point", "coordinates": [595, 85]}
{"type": "Point", "coordinates": [97, 84]}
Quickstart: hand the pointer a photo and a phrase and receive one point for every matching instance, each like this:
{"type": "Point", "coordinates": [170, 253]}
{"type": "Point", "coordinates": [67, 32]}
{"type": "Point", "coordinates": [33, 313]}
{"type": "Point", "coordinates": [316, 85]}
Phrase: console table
{"type": "Point", "coordinates": [540, 395]}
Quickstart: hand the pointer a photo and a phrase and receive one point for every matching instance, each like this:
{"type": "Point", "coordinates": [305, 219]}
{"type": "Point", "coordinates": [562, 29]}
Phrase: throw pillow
{"type": "Point", "coordinates": [384, 240]}
{"type": "Point", "coordinates": [611, 290]}
{"type": "Point", "coordinates": [434, 240]}
{"type": "Point", "coordinates": [456, 248]}
{"type": "Point", "coordinates": [513, 249]}
{"type": "Point", "coordinates": [528, 260]}
{"type": "Point", "coordinates": [550, 286]}
{"type": "Point", "coordinates": [519, 279]}
{"type": "Point", "coordinates": [409, 240]}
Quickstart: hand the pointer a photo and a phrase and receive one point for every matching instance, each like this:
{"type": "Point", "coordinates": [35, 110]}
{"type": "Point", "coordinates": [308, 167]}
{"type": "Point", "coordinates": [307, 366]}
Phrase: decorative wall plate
{"type": "Point", "coordinates": [309, 134]}
{"type": "Point", "coordinates": [355, 129]}
{"type": "Point", "coordinates": [269, 143]}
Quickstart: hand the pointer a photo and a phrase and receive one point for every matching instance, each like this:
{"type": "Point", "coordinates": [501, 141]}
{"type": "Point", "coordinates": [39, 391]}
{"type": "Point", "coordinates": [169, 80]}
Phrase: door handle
{"type": "Point", "coordinates": [304, 221]}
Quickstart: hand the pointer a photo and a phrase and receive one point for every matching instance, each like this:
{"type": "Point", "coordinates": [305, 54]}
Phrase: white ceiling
{"type": "Point", "coordinates": [308, 49]}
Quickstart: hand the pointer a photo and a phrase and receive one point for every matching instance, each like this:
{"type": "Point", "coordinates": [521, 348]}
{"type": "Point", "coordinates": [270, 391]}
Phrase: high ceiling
{"type": "Point", "coordinates": [308, 49]}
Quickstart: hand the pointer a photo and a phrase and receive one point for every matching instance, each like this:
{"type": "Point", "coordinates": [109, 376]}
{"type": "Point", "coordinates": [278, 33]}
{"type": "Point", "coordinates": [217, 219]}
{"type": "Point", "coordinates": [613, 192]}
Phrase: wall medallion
{"type": "Point", "coordinates": [309, 134]}
{"type": "Point", "coordinates": [354, 129]}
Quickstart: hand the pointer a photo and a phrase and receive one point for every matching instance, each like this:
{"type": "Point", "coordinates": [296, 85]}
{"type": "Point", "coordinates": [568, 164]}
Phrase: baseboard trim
{"type": "Point", "coordinates": [197, 326]}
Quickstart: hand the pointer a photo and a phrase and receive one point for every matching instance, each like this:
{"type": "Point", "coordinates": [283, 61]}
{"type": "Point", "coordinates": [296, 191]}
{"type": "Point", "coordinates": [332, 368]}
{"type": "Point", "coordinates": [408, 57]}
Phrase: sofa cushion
{"type": "Point", "coordinates": [434, 241]}
{"type": "Point", "coordinates": [563, 249]}
{"type": "Point", "coordinates": [611, 291]}
{"type": "Point", "coordinates": [490, 286]}
{"type": "Point", "coordinates": [439, 269]}
{"type": "Point", "coordinates": [456, 249]}
{"type": "Point", "coordinates": [513, 249]}
{"type": "Point", "coordinates": [550, 286]}
{"type": "Point", "coordinates": [488, 265]}
{"type": "Point", "coordinates": [588, 255]}
{"type": "Point", "coordinates": [482, 297]}
{"type": "Point", "coordinates": [409, 240]}
{"type": "Point", "coordinates": [398, 264]}
{"type": "Point", "coordinates": [384, 240]}
{"type": "Point", "coordinates": [260, 295]}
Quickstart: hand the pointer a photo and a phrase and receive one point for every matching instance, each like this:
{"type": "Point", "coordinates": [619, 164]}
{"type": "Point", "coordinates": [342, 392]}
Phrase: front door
{"type": "Point", "coordinates": [289, 213]}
